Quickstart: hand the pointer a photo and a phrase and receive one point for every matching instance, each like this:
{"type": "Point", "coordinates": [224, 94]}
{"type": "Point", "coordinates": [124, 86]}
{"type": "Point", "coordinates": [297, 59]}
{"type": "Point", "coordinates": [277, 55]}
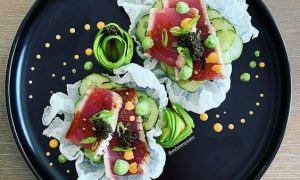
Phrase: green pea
{"type": "Point", "coordinates": [61, 158]}
{"type": "Point", "coordinates": [245, 77]}
{"type": "Point", "coordinates": [88, 66]}
{"type": "Point", "coordinates": [252, 64]}
{"type": "Point", "coordinates": [182, 8]}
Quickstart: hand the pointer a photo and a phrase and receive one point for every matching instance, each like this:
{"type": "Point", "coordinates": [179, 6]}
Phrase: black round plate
{"type": "Point", "coordinates": [242, 153]}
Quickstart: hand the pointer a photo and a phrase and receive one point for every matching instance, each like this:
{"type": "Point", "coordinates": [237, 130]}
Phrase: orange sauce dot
{"type": "Point", "coordinates": [262, 65]}
{"type": "Point", "coordinates": [203, 117]}
{"type": "Point", "coordinates": [87, 27]}
{"type": "Point", "coordinates": [53, 143]}
{"type": "Point", "coordinates": [218, 127]}
{"type": "Point", "coordinates": [243, 120]}
{"type": "Point", "coordinates": [231, 126]}
{"type": "Point", "coordinates": [100, 25]}
{"type": "Point", "coordinates": [88, 51]}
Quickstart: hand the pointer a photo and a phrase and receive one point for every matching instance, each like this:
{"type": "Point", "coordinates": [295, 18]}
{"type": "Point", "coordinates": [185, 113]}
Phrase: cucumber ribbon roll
{"type": "Point", "coordinates": [113, 47]}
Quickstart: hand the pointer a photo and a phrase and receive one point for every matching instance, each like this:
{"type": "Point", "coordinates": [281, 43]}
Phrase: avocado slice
{"type": "Point", "coordinates": [190, 85]}
{"type": "Point", "coordinates": [185, 116]}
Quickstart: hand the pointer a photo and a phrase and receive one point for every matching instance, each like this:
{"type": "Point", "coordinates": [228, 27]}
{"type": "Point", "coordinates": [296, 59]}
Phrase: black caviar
{"type": "Point", "coordinates": [110, 30]}
{"type": "Point", "coordinates": [128, 138]}
{"type": "Point", "coordinates": [102, 129]}
{"type": "Point", "coordinates": [193, 43]}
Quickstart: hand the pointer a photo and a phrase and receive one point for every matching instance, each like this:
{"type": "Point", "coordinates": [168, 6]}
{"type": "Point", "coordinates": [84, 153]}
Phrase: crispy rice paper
{"type": "Point", "coordinates": [211, 94]}
{"type": "Point", "coordinates": [64, 104]}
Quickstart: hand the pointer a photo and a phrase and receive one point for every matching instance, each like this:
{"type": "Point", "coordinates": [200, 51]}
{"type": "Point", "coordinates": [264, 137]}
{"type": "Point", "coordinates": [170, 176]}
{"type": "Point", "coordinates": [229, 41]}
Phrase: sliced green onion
{"type": "Point", "coordinates": [88, 140]}
{"type": "Point", "coordinates": [165, 37]}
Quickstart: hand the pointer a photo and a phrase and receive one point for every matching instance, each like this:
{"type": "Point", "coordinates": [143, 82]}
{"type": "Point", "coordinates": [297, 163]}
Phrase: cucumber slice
{"type": "Point", "coordinates": [221, 24]}
{"type": "Point", "coordinates": [190, 85]}
{"type": "Point", "coordinates": [93, 80]}
{"type": "Point", "coordinates": [158, 4]}
{"type": "Point", "coordinates": [213, 14]}
{"type": "Point", "coordinates": [231, 45]}
{"type": "Point", "coordinates": [141, 28]}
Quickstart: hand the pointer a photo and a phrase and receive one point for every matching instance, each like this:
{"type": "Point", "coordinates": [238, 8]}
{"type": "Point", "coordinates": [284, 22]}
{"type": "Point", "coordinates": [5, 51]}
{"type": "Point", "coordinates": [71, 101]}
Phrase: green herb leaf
{"type": "Point", "coordinates": [118, 149]}
{"type": "Point", "coordinates": [177, 31]}
{"type": "Point", "coordinates": [88, 140]}
{"type": "Point", "coordinates": [188, 58]}
{"type": "Point", "coordinates": [105, 114]}
{"type": "Point", "coordinates": [192, 23]}
{"type": "Point", "coordinates": [175, 45]}
{"type": "Point", "coordinates": [164, 37]}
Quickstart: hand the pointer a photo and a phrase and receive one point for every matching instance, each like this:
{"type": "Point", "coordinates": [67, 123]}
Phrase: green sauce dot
{"type": "Point", "coordinates": [257, 53]}
{"type": "Point", "coordinates": [252, 64]}
{"type": "Point", "coordinates": [61, 158]}
{"type": "Point", "coordinates": [63, 78]}
{"type": "Point", "coordinates": [245, 77]}
{"type": "Point", "coordinates": [88, 66]}
{"type": "Point", "coordinates": [74, 71]}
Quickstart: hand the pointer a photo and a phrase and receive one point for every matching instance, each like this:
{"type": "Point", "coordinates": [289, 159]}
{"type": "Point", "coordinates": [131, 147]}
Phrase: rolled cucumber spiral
{"type": "Point", "coordinates": [113, 47]}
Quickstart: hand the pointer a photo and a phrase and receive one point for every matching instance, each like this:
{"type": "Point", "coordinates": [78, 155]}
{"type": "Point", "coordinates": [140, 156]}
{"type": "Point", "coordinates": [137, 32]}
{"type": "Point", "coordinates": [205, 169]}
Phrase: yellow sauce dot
{"type": "Point", "coordinates": [88, 51]}
{"type": "Point", "coordinates": [64, 63]}
{"type": "Point", "coordinates": [231, 126]}
{"type": "Point", "coordinates": [32, 68]}
{"type": "Point", "coordinates": [261, 95]}
{"type": "Point", "coordinates": [47, 45]}
{"type": "Point", "coordinates": [257, 104]}
{"type": "Point", "coordinates": [203, 117]}
{"type": "Point", "coordinates": [68, 171]}
{"type": "Point", "coordinates": [30, 82]}
{"type": "Point", "coordinates": [243, 120]}
{"type": "Point", "coordinates": [53, 75]}
{"type": "Point", "coordinates": [87, 27]}
{"type": "Point", "coordinates": [217, 116]}
{"type": "Point", "coordinates": [100, 25]}
{"type": "Point", "coordinates": [38, 56]}
{"type": "Point", "coordinates": [251, 113]}
{"type": "Point", "coordinates": [53, 143]}
{"type": "Point", "coordinates": [76, 57]}
{"type": "Point", "coordinates": [225, 112]}
{"type": "Point", "coordinates": [256, 76]}
{"type": "Point", "coordinates": [218, 127]}
{"type": "Point", "coordinates": [72, 30]}
{"type": "Point", "coordinates": [262, 65]}
{"type": "Point", "coordinates": [51, 164]}
{"type": "Point", "coordinates": [58, 37]}
{"type": "Point", "coordinates": [48, 154]}
{"type": "Point", "coordinates": [51, 92]}
{"type": "Point", "coordinates": [30, 96]}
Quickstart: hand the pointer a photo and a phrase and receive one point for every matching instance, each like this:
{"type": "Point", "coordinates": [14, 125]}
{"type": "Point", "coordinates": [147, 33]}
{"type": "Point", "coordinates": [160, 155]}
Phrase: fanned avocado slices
{"type": "Point", "coordinates": [178, 127]}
